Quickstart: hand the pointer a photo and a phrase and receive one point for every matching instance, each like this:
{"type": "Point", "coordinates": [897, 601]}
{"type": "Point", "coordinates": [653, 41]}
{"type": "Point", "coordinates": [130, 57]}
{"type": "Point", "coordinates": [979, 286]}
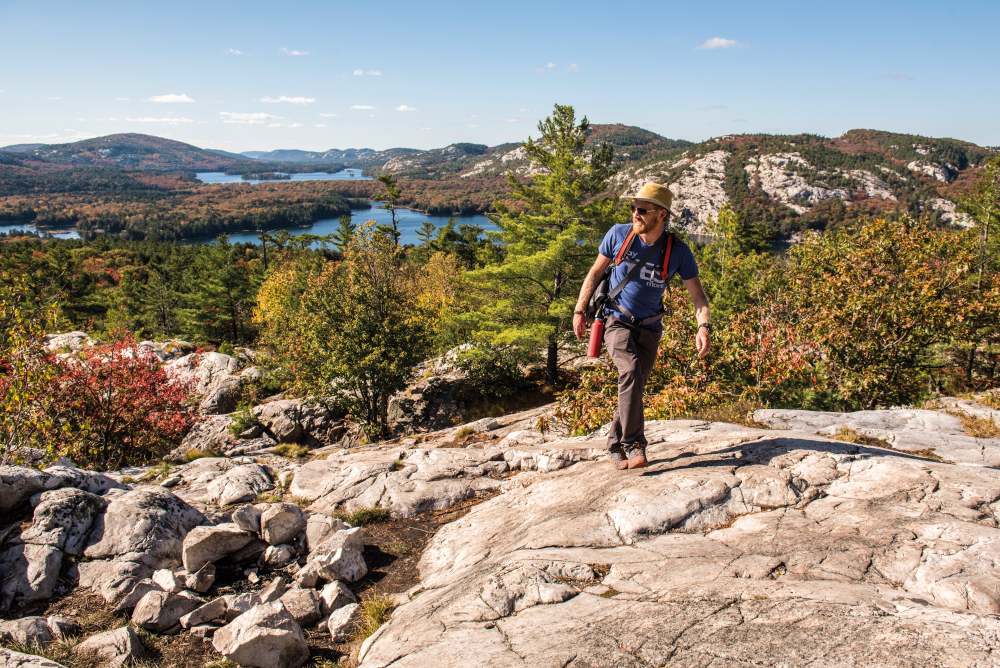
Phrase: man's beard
{"type": "Point", "coordinates": [642, 225]}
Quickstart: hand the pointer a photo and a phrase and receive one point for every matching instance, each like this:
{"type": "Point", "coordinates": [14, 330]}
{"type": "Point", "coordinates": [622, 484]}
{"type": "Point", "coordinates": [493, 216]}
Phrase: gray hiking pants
{"type": "Point", "coordinates": [633, 351]}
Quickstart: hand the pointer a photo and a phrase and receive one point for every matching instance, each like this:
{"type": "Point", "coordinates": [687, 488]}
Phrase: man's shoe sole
{"type": "Point", "coordinates": [621, 464]}
{"type": "Point", "coordinates": [636, 462]}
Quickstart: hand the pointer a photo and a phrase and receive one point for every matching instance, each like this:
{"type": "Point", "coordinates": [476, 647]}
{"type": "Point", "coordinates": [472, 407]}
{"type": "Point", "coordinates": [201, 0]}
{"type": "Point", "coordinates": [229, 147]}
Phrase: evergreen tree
{"type": "Point", "coordinates": [343, 234]}
{"type": "Point", "coordinates": [389, 198]}
{"type": "Point", "coordinates": [550, 239]}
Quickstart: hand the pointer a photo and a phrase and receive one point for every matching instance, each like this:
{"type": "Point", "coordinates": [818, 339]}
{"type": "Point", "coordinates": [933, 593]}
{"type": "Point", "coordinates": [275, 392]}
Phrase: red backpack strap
{"type": "Point", "coordinates": [666, 256]}
{"type": "Point", "coordinates": [624, 248]}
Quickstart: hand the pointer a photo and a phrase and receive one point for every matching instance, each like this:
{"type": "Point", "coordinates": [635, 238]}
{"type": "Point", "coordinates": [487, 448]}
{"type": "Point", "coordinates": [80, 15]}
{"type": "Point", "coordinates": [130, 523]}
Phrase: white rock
{"type": "Point", "coordinates": [264, 637]}
{"type": "Point", "coordinates": [121, 647]}
{"type": "Point", "coordinates": [339, 622]}
{"type": "Point", "coordinates": [161, 612]}
{"type": "Point", "coordinates": [281, 523]}
{"type": "Point", "coordinates": [207, 544]}
{"type": "Point", "coordinates": [303, 605]}
{"type": "Point", "coordinates": [336, 595]}
{"type": "Point", "coordinates": [240, 484]}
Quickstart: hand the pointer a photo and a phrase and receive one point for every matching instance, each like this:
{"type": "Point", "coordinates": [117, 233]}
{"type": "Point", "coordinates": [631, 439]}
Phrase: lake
{"type": "Point", "coordinates": [28, 227]}
{"type": "Point", "coordinates": [343, 175]}
{"type": "Point", "coordinates": [409, 222]}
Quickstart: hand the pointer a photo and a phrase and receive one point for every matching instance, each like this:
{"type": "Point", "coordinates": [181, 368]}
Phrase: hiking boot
{"type": "Point", "coordinates": [636, 456]}
{"type": "Point", "coordinates": [618, 458]}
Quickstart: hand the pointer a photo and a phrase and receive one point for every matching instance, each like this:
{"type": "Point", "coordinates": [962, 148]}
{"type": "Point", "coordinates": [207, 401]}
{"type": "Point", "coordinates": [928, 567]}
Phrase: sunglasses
{"type": "Point", "coordinates": [641, 210]}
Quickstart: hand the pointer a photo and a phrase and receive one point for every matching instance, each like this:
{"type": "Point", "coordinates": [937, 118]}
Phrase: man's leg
{"type": "Point", "coordinates": [629, 350]}
{"type": "Point", "coordinates": [646, 343]}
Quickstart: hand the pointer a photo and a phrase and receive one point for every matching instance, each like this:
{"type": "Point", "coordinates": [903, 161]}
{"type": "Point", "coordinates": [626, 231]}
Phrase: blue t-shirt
{"type": "Point", "coordinates": [643, 295]}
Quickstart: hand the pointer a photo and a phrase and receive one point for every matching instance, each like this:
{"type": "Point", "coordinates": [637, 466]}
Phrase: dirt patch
{"type": "Point", "coordinates": [849, 435]}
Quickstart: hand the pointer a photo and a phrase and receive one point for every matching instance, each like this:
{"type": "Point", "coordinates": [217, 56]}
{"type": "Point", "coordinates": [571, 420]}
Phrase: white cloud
{"type": "Point", "coordinates": [162, 120]}
{"type": "Point", "coordinates": [172, 98]}
{"type": "Point", "coordinates": [717, 43]}
{"type": "Point", "coordinates": [362, 107]}
{"type": "Point", "coordinates": [573, 67]}
{"type": "Point", "coordinates": [405, 107]}
{"type": "Point", "coordinates": [275, 125]}
{"type": "Point", "coordinates": [293, 52]}
{"type": "Point", "coordinates": [247, 118]}
{"type": "Point", "coordinates": [367, 73]}
{"type": "Point", "coordinates": [550, 66]}
{"type": "Point", "coordinates": [234, 52]}
{"type": "Point", "coordinates": [327, 115]}
{"type": "Point", "coordinates": [288, 100]}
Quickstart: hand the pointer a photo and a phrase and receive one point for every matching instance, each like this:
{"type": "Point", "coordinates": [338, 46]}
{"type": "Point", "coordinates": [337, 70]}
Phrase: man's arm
{"type": "Point", "coordinates": [700, 300]}
{"type": "Point", "coordinates": [587, 289]}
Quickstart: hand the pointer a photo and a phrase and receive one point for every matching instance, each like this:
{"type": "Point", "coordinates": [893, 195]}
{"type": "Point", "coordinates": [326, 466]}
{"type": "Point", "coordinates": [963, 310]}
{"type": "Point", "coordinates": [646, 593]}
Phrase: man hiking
{"type": "Point", "coordinates": [634, 315]}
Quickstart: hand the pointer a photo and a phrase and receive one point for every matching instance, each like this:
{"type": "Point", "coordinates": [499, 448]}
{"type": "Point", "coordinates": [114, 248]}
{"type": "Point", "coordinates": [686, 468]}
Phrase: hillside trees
{"type": "Point", "coordinates": [550, 239]}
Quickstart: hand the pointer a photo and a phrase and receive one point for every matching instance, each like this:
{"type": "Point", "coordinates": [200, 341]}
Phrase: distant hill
{"type": "Point", "coordinates": [130, 151]}
{"type": "Point", "coordinates": [787, 182]}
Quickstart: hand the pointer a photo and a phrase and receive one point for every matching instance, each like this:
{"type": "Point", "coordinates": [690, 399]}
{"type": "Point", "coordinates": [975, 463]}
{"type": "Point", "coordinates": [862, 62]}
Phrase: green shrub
{"type": "Point", "coordinates": [494, 371]}
{"type": "Point", "coordinates": [363, 516]}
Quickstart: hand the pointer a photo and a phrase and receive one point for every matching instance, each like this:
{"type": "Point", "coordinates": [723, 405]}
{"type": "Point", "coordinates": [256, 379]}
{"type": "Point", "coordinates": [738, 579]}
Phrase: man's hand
{"type": "Point", "coordinates": [579, 326]}
{"type": "Point", "coordinates": [701, 342]}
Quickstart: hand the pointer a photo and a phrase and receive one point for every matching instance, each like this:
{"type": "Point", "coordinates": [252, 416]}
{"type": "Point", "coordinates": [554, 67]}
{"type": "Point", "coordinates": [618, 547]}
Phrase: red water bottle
{"type": "Point", "coordinates": [596, 338]}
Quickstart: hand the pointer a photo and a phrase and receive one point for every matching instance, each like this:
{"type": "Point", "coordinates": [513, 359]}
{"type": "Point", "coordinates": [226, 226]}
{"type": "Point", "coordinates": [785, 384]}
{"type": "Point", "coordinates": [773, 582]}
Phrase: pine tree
{"type": "Point", "coordinates": [389, 199]}
{"type": "Point", "coordinates": [343, 234]}
{"type": "Point", "coordinates": [550, 238]}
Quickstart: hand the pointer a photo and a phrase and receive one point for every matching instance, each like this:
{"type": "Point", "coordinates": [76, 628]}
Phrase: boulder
{"type": "Point", "coordinates": [207, 544]}
{"type": "Point", "coordinates": [208, 435]}
{"type": "Point", "coordinates": [32, 630]}
{"type": "Point", "coordinates": [161, 611]}
{"type": "Point", "coordinates": [121, 647]}
{"type": "Point", "coordinates": [113, 579]}
{"type": "Point", "coordinates": [214, 376]}
{"type": "Point", "coordinates": [67, 342]}
{"type": "Point", "coordinates": [264, 637]}
{"type": "Point", "coordinates": [296, 420]}
{"type": "Point", "coordinates": [281, 523]}
{"type": "Point", "coordinates": [339, 557]}
{"type": "Point", "coordinates": [129, 600]}
{"type": "Point", "coordinates": [303, 605]}
{"type": "Point", "coordinates": [335, 595]}
{"type": "Point", "coordinates": [63, 518]}
{"type": "Point", "coordinates": [247, 517]}
{"type": "Point", "coordinates": [144, 524]}
{"type": "Point", "coordinates": [201, 580]}
{"type": "Point", "coordinates": [18, 484]}
{"type": "Point", "coordinates": [277, 556]}
{"type": "Point", "coordinates": [237, 604]}
{"type": "Point", "coordinates": [274, 590]}
{"type": "Point", "coordinates": [239, 484]}
{"type": "Point", "coordinates": [319, 527]}
{"type": "Point", "coordinates": [167, 580]}
{"type": "Point", "coordinates": [339, 623]}
{"type": "Point", "coordinates": [30, 573]}
{"type": "Point", "coordinates": [11, 659]}
{"type": "Point", "coordinates": [66, 474]}
{"type": "Point", "coordinates": [213, 610]}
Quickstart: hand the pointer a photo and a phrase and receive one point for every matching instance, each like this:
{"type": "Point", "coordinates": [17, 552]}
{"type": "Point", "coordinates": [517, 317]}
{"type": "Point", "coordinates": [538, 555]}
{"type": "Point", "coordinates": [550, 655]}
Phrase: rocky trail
{"type": "Point", "coordinates": [819, 539]}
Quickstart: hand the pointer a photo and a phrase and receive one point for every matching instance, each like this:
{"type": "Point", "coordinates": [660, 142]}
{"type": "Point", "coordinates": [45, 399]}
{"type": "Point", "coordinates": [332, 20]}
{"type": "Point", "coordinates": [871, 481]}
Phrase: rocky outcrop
{"type": "Point", "coordinates": [734, 542]}
{"type": "Point", "coordinates": [944, 173]}
{"type": "Point", "coordinates": [950, 213]}
{"type": "Point", "coordinates": [215, 377]}
{"type": "Point", "coordinates": [776, 175]}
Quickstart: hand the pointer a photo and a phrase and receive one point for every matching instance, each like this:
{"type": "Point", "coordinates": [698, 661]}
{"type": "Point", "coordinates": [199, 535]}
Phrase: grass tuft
{"type": "Point", "coordinates": [292, 450]}
{"type": "Point", "coordinates": [978, 427]}
{"type": "Point", "coordinates": [363, 516]}
{"type": "Point", "coordinates": [198, 453]}
{"type": "Point", "coordinates": [375, 609]}
{"type": "Point", "coordinates": [271, 496]}
{"type": "Point", "coordinates": [849, 435]}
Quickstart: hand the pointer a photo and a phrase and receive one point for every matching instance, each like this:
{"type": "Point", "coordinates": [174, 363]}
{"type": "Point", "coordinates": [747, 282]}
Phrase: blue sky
{"type": "Point", "coordinates": [324, 74]}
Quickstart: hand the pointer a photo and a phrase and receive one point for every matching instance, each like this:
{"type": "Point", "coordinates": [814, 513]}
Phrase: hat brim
{"type": "Point", "coordinates": [645, 199]}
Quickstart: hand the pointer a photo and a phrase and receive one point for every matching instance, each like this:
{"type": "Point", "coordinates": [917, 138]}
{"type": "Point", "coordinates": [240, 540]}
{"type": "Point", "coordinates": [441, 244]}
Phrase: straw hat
{"type": "Point", "coordinates": [654, 193]}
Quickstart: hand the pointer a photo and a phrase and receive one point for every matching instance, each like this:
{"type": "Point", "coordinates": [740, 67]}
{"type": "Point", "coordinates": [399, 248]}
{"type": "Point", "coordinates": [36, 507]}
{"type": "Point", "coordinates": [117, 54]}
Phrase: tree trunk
{"type": "Point", "coordinates": [552, 361]}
